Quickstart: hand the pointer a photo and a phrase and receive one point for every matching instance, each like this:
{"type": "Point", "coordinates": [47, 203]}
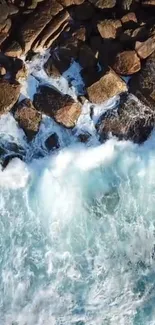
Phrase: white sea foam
{"type": "Point", "coordinates": [77, 226]}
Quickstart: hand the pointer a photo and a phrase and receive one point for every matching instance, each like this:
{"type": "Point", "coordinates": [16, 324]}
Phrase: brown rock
{"type": "Point", "coordinates": [144, 49]}
{"type": "Point", "coordinates": [80, 34]}
{"type": "Point", "coordinates": [14, 50]}
{"type": "Point", "coordinates": [52, 31]}
{"type": "Point", "coordinates": [127, 63]}
{"type": "Point", "coordinates": [37, 21]}
{"type": "Point", "coordinates": [2, 71]}
{"type": "Point", "coordinates": [67, 3]}
{"type": "Point", "coordinates": [28, 118]}
{"type": "Point", "coordinates": [133, 121]}
{"type": "Point", "coordinates": [128, 4]}
{"type": "Point", "coordinates": [109, 85]}
{"type": "Point", "coordinates": [104, 4]}
{"type": "Point", "coordinates": [130, 17]}
{"type": "Point", "coordinates": [143, 84]}
{"type": "Point", "coordinates": [108, 28]}
{"type": "Point", "coordinates": [7, 26]}
{"type": "Point", "coordinates": [147, 3]}
{"type": "Point", "coordinates": [9, 94]}
{"type": "Point", "coordinates": [61, 107]}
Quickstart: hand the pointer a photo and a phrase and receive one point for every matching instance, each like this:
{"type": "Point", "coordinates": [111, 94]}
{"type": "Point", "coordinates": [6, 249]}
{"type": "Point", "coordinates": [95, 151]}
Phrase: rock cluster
{"type": "Point", "coordinates": [109, 39]}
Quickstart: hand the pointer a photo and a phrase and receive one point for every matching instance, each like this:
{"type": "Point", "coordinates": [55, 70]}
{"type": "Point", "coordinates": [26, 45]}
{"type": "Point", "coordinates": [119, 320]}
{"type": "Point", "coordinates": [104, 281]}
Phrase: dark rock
{"type": "Point", "coordinates": [127, 63]}
{"type": "Point", "coordinates": [14, 49]}
{"type": "Point", "coordinates": [4, 11]}
{"type": "Point", "coordinates": [133, 121]}
{"type": "Point", "coordinates": [52, 142]}
{"type": "Point", "coordinates": [109, 85]}
{"type": "Point", "coordinates": [129, 20]}
{"type": "Point", "coordinates": [8, 158]}
{"type": "Point", "coordinates": [9, 94]}
{"type": "Point", "coordinates": [86, 57]}
{"type": "Point", "coordinates": [84, 137]}
{"type": "Point", "coordinates": [50, 69]}
{"type": "Point", "coordinates": [28, 118]}
{"type": "Point", "coordinates": [143, 84]}
{"type": "Point", "coordinates": [148, 3]}
{"type": "Point", "coordinates": [84, 11]}
{"type": "Point", "coordinates": [61, 107]}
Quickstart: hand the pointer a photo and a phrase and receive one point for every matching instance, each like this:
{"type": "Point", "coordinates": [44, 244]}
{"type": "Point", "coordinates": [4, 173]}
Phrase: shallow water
{"type": "Point", "coordinates": [77, 226]}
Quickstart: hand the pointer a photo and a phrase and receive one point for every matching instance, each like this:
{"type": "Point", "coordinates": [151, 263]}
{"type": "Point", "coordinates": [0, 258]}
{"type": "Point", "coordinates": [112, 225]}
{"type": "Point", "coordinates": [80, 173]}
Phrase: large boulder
{"type": "Point", "coordinates": [37, 21]}
{"type": "Point", "coordinates": [9, 94]}
{"type": "Point", "coordinates": [28, 118]}
{"type": "Point", "coordinates": [62, 108]}
{"type": "Point", "coordinates": [127, 63]}
{"type": "Point", "coordinates": [109, 85]}
{"type": "Point", "coordinates": [143, 84]}
{"type": "Point", "coordinates": [133, 121]}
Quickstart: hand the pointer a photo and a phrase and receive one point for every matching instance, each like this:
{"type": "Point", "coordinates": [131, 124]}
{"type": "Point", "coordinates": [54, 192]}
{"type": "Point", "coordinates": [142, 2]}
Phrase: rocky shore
{"type": "Point", "coordinates": [109, 40]}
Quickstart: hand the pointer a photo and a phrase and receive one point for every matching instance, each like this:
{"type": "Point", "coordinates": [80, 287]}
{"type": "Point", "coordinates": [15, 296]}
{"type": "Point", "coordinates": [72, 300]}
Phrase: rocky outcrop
{"type": "Point", "coordinates": [9, 94]}
{"type": "Point", "coordinates": [109, 85]}
{"type": "Point", "coordinates": [61, 107]}
{"type": "Point", "coordinates": [133, 121]}
{"type": "Point", "coordinates": [143, 84]}
{"type": "Point", "coordinates": [35, 24]}
{"type": "Point", "coordinates": [127, 63]}
{"type": "Point", "coordinates": [28, 118]}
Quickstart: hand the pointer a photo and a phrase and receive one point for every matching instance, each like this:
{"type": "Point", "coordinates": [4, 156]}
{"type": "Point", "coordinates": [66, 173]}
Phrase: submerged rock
{"type": "Point", "coordinates": [133, 121]}
{"type": "Point", "coordinates": [28, 118]}
{"type": "Point", "coordinates": [62, 108]}
{"type": "Point", "coordinates": [52, 142]}
{"type": "Point", "coordinates": [9, 94]}
{"type": "Point", "coordinates": [109, 85]}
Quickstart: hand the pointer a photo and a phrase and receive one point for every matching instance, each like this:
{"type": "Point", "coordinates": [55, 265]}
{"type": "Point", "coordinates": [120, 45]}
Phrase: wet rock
{"type": "Point", "coordinates": [6, 160]}
{"type": "Point", "coordinates": [51, 69]}
{"type": "Point", "coordinates": [86, 57]}
{"type": "Point", "coordinates": [28, 118]}
{"type": "Point", "coordinates": [146, 48]}
{"type": "Point", "coordinates": [61, 107]}
{"type": "Point", "coordinates": [103, 4]}
{"type": "Point", "coordinates": [37, 21]}
{"type": "Point", "coordinates": [14, 49]}
{"type": "Point", "coordinates": [127, 63]}
{"type": "Point", "coordinates": [109, 85]}
{"type": "Point", "coordinates": [67, 3]}
{"type": "Point", "coordinates": [84, 11]}
{"type": "Point", "coordinates": [52, 31]}
{"type": "Point", "coordinates": [108, 28]}
{"type": "Point", "coordinates": [4, 11]}
{"type": "Point", "coordinates": [52, 142]}
{"type": "Point", "coordinates": [143, 84]}
{"type": "Point", "coordinates": [133, 121]}
{"type": "Point", "coordinates": [9, 94]}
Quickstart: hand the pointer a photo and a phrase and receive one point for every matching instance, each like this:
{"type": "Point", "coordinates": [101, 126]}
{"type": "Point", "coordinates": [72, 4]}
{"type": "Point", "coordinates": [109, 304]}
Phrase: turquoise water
{"type": "Point", "coordinates": [77, 237]}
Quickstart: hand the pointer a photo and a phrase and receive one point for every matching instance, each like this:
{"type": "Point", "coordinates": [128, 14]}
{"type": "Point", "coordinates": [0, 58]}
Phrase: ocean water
{"type": "Point", "coordinates": [77, 225]}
